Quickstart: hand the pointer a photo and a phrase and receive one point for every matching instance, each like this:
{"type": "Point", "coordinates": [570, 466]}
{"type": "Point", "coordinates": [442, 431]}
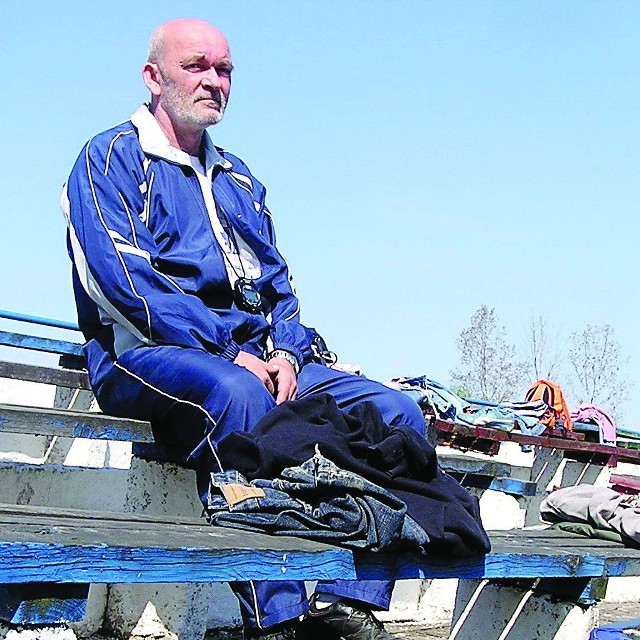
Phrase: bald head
{"type": "Point", "coordinates": [176, 32]}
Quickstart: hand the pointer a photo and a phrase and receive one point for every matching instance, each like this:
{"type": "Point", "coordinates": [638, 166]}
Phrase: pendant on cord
{"type": "Point", "coordinates": [246, 295]}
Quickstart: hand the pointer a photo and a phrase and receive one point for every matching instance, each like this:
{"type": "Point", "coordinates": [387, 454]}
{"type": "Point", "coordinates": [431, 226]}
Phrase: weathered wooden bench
{"type": "Point", "coordinates": [576, 446]}
{"type": "Point", "coordinates": [38, 544]}
{"type": "Point", "coordinates": [555, 461]}
{"type": "Point", "coordinates": [49, 555]}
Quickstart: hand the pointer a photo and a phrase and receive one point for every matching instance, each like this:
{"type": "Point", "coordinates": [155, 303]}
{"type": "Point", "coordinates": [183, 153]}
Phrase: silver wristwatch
{"type": "Point", "coordinates": [285, 355]}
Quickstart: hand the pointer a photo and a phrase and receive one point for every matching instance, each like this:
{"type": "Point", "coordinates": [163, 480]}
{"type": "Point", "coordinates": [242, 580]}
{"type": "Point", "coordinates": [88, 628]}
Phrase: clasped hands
{"type": "Point", "coordinates": [277, 375]}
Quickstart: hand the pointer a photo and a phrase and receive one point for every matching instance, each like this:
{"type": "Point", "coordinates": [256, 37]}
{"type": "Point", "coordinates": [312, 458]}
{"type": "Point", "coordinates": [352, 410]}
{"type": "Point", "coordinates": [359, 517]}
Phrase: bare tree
{"type": "Point", "coordinates": [542, 352]}
{"type": "Point", "coordinates": [596, 364]}
{"type": "Point", "coordinates": [489, 370]}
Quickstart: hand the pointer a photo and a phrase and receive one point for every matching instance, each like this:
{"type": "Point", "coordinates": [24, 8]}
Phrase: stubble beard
{"type": "Point", "coordinates": [183, 106]}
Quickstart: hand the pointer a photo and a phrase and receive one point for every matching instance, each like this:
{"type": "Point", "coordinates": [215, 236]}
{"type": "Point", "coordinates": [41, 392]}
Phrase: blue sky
{"type": "Point", "coordinates": [422, 158]}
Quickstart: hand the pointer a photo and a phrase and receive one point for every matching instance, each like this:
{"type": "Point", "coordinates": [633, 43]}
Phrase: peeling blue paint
{"type": "Point", "coordinates": [95, 426]}
{"type": "Point", "coordinates": [36, 343]}
{"type": "Point", "coordinates": [34, 562]}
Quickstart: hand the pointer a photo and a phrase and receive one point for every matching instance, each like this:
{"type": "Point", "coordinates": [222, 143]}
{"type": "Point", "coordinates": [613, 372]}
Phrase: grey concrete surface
{"type": "Point", "coordinates": [609, 612]}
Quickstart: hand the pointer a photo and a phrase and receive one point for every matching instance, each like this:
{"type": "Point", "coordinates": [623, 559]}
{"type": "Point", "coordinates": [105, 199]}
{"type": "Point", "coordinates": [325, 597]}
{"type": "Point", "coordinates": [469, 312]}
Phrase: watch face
{"type": "Point", "coordinates": [251, 296]}
{"type": "Point", "coordinates": [246, 295]}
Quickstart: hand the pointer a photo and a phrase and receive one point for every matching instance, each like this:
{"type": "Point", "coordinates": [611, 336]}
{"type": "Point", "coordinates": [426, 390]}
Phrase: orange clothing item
{"type": "Point", "coordinates": [551, 393]}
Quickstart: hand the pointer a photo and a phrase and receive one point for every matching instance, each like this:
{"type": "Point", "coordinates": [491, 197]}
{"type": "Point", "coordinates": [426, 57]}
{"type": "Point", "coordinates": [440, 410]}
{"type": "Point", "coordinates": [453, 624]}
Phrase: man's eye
{"type": "Point", "coordinates": [193, 67]}
{"type": "Point", "coordinates": [224, 71]}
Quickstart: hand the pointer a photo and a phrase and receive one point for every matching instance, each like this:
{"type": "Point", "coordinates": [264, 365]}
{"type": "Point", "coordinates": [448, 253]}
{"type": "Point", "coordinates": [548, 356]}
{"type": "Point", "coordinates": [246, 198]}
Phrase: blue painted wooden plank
{"type": "Point", "coordinates": [620, 566]}
{"type": "Point", "coordinates": [45, 322]}
{"type": "Point", "coordinates": [513, 486]}
{"type": "Point", "coordinates": [34, 562]}
{"type": "Point", "coordinates": [72, 424]}
{"type": "Point", "coordinates": [43, 603]}
{"type": "Point", "coordinates": [47, 544]}
{"type": "Point", "coordinates": [36, 343]}
{"type": "Point", "coordinates": [493, 566]}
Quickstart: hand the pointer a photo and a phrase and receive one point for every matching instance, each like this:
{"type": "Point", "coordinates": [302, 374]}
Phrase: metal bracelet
{"type": "Point", "coordinates": [285, 355]}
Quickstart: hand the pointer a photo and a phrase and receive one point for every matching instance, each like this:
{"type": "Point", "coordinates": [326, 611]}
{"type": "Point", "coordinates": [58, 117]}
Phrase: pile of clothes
{"type": "Point", "coordinates": [543, 409]}
{"type": "Point", "coordinates": [311, 470]}
{"type": "Point", "coordinates": [438, 400]}
{"type": "Point", "coordinates": [595, 512]}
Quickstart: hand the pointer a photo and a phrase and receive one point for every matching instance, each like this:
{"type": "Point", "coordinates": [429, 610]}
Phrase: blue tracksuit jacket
{"type": "Point", "coordinates": [147, 268]}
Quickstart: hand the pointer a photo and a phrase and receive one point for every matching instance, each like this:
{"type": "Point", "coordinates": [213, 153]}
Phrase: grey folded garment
{"type": "Point", "coordinates": [598, 506]}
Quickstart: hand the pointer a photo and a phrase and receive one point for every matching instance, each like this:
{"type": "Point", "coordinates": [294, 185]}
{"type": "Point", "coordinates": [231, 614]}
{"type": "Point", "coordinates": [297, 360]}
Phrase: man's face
{"type": "Point", "coordinates": [195, 76]}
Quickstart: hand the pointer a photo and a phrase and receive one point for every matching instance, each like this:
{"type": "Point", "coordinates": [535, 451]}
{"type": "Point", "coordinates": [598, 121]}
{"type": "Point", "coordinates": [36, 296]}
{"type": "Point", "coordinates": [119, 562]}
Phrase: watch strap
{"type": "Point", "coordinates": [285, 355]}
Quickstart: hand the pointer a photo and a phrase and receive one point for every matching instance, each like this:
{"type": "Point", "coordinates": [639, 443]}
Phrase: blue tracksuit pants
{"type": "Point", "coordinates": [194, 399]}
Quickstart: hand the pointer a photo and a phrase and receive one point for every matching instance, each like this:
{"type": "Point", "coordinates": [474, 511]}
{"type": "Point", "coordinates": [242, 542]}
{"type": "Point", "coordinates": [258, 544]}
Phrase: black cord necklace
{"type": "Point", "coordinates": [245, 293]}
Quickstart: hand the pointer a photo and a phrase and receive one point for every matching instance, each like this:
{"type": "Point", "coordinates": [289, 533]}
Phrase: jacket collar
{"type": "Point", "coordinates": [155, 143]}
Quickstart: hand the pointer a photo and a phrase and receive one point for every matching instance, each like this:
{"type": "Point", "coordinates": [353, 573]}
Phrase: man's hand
{"type": "Point", "coordinates": [259, 368]}
{"type": "Point", "coordinates": [284, 378]}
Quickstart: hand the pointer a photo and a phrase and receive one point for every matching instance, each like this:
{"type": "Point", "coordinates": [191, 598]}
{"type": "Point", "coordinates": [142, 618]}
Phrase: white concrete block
{"type": "Point", "coordinates": [94, 614]}
{"type": "Point", "coordinates": [429, 602]}
{"type": "Point", "coordinates": [151, 627]}
{"type": "Point", "coordinates": [624, 589]}
{"type": "Point", "coordinates": [500, 511]}
{"type": "Point", "coordinates": [404, 603]}
{"type": "Point", "coordinates": [176, 612]}
{"type": "Point", "coordinates": [86, 453]}
{"type": "Point", "coordinates": [118, 455]}
{"type": "Point", "coordinates": [29, 394]}
{"type": "Point", "coordinates": [437, 602]}
{"type": "Point", "coordinates": [488, 611]}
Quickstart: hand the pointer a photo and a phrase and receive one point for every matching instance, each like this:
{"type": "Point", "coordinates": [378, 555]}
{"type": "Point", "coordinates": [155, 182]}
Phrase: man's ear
{"type": "Point", "coordinates": [151, 76]}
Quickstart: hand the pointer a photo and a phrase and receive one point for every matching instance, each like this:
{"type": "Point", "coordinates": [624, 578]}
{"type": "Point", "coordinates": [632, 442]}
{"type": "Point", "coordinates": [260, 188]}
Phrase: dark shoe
{"type": "Point", "coordinates": [312, 629]}
{"type": "Point", "coordinates": [348, 622]}
{"type": "Point", "coordinates": [284, 631]}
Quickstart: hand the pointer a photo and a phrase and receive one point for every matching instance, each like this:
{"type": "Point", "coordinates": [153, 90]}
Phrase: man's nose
{"type": "Point", "coordinates": [211, 79]}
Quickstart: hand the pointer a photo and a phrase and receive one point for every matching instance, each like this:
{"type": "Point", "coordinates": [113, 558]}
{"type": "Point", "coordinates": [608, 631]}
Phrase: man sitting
{"type": "Point", "coordinates": [187, 306]}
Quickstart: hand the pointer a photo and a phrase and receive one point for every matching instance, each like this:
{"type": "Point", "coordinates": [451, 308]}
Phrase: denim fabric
{"type": "Point", "coordinates": [446, 405]}
{"type": "Point", "coordinates": [319, 501]}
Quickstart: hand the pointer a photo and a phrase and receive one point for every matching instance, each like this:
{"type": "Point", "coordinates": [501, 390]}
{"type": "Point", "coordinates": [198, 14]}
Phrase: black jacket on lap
{"type": "Point", "coordinates": [396, 458]}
